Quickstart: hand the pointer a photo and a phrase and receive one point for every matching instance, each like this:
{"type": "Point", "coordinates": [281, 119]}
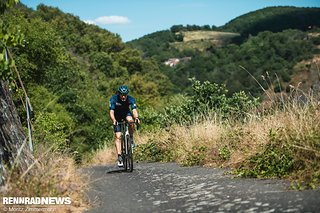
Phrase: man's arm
{"type": "Point", "coordinates": [135, 113]}
{"type": "Point", "coordinates": [112, 106]}
{"type": "Point", "coordinates": [113, 118]}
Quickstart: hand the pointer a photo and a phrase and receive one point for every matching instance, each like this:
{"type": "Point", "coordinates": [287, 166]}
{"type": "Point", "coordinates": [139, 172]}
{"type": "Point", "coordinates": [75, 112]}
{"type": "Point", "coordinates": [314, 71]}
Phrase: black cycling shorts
{"type": "Point", "coordinates": [117, 128]}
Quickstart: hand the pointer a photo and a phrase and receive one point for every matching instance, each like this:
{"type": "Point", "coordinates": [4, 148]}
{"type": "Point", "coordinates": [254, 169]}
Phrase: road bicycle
{"type": "Point", "coordinates": [126, 145]}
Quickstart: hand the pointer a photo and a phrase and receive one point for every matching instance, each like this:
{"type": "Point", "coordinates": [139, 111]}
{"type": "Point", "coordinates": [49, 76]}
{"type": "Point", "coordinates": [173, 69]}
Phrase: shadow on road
{"type": "Point", "coordinates": [117, 170]}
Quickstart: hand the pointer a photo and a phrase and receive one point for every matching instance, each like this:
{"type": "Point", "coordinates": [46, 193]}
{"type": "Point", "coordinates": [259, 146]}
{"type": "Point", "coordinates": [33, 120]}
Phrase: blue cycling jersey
{"type": "Point", "coordinates": [122, 108]}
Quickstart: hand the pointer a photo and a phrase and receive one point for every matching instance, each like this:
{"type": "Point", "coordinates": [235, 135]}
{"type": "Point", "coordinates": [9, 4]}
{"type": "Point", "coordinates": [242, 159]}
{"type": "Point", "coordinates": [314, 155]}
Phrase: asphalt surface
{"type": "Point", "coordinates": [168, 187]}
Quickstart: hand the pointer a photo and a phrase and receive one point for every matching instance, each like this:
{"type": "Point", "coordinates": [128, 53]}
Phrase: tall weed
{"type": "Point", "coordinates": [282, 141]}
{"type": "Point", "coordinates": [53, 174]}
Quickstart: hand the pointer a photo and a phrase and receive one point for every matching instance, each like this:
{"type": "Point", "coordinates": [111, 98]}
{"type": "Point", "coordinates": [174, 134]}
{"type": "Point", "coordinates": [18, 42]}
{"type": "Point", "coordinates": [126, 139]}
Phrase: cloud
{"type": "Point", "coordinates": [105, 20]}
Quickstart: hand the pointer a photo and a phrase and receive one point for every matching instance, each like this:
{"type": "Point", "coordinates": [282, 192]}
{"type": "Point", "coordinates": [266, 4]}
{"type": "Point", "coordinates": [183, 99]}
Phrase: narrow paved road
{"type": "Point", "coordinates": [167, 187]}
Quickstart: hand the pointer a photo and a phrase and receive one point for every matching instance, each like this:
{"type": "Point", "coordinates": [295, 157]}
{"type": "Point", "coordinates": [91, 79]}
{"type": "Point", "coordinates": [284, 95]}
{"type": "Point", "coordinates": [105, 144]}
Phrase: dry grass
{"type": "Point", "coordinates": [202, 40]}
{"type": "Point", "coordinates": [52, 175]}
{"type": "Point", "coordinates": [208, 133]}
{"type": "Point", "coordinates": [290, 122]}
{"type": "Point", "coordinates": [105, 155]}
{"type": "Point", "coordinates": [207, 35]}
{"type": "Point", "coordinates": [198, 135]}
{"type": "Point", "coordinates": [108, 154]}
{"type": "Point", "coordinates": [293, 122]}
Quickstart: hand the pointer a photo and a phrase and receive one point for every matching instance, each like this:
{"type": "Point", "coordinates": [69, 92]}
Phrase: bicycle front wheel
{"type": "Point", "coordinates": [129, 156]}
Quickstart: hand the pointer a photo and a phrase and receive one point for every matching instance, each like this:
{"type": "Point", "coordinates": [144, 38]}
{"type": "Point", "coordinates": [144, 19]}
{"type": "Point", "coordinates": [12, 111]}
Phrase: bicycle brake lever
{"type": "Point", "coordinates": [137, 125]}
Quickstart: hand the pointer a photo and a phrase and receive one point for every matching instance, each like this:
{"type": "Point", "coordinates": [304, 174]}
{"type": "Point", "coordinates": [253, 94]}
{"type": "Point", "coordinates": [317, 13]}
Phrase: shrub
{"type": "Point", "coordinates": [196, 156]}
{"type": "Point", "coordinates": [52, 129]}
{"type": "Point", "coordinates": [224, 153]}
{"type": "Point", "coordinates": [148, 152]}
{"type": "Point", "coordinates": [207, 98]}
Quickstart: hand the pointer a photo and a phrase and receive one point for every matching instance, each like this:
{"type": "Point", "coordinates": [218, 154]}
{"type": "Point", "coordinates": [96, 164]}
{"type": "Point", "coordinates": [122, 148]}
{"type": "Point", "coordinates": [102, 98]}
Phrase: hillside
{"type": "Point", "coordinates": [203, 40]}
{"type": "Point", "coordinates": [274, 19]}
{"type": "Point", "coordinates": [271, 42]}
{"type": "Point", "coordinates": [207, 35]}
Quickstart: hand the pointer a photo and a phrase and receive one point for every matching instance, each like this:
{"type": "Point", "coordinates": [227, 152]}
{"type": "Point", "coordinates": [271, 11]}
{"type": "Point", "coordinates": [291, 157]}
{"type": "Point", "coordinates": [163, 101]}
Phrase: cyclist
{"type": "Point", "coordinates": [120, 105]}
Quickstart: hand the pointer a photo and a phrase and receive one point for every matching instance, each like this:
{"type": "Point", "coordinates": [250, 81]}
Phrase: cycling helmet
{"type": "Point", "coordinates": [123, 90]}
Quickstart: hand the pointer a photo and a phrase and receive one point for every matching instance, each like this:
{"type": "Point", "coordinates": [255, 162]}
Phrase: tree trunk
{"type": "Point", "coordinates": [14, 150]}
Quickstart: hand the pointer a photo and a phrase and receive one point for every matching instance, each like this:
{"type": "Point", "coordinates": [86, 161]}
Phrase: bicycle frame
{"type": "Point", "coordinates": [126, 148]}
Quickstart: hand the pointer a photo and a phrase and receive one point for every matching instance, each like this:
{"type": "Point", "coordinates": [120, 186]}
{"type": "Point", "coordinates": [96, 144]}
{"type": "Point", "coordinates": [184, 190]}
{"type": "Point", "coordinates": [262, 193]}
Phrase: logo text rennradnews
{"type": "Point", "coordinates": [36, 200]}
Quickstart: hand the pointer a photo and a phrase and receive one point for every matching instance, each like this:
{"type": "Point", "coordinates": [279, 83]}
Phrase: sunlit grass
{"type": "Point", "coordinates": [53, 174]}
{"type": "Point", "coordinates": [287, 133]}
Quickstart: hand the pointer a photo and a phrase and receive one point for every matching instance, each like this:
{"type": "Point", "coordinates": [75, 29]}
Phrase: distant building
{"type": "Point", "coordinates": [172, 62]}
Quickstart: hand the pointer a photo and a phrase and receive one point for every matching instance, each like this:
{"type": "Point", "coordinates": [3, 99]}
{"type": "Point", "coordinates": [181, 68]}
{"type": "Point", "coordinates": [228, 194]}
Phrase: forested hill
{"type": "Point", "coordinates": [70, 69]}
{"type": "Point", "coordinates": [270, 43]}
{"type": "Point", "coordinates": [274, 19]}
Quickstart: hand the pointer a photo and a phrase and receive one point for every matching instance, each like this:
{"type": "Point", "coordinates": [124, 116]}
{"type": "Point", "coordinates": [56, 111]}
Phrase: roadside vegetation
{"type": "Point", "coordinates": [53, 174]}
{"type": "Point", "coordinates": [278, 140]}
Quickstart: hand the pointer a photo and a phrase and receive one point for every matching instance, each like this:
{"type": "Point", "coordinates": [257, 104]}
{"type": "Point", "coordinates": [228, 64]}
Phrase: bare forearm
{"type": "Point", "coordinates": [112, 116]}
{"type": "Point", "coordinates": [135, 113]}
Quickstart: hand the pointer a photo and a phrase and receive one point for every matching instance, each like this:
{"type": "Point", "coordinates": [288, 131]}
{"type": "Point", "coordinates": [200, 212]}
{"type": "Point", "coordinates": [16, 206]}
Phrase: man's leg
{"type": "Point", "coordinates": [131, 129]}
{"type": "Point", "coordinates": [131, 125]}
{"type": "Point", "coordinates": [118, 147]}
{"type": "Point", "coordinates": [118, 142]}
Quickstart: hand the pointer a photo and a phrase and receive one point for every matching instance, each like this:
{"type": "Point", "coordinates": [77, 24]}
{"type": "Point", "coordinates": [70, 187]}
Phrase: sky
{"type": "Point", "coordinates": [132, 19]}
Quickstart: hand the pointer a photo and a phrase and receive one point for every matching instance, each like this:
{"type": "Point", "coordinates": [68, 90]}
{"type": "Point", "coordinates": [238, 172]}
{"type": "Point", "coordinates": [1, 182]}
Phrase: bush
{"type": "Point", "coordinates": [196, 156]}
{"type": "Point", "coordinates": [52, 123]}
{"type": "Point", "coordinates": [209, 98]}
{"type": "Point", "coordinates": [52, 129]}
{"type": "Point", "coordinates": [148, 152]}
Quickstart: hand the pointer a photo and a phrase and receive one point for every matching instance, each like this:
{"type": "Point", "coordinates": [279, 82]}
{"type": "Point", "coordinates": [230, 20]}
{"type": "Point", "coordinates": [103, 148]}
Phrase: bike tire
{"type": "Point", "coordinates": [130, 161]}
{"type": "Point", "coordinates": [129, 157]}
{"type": "Point", "coordinates": [124, 154]}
